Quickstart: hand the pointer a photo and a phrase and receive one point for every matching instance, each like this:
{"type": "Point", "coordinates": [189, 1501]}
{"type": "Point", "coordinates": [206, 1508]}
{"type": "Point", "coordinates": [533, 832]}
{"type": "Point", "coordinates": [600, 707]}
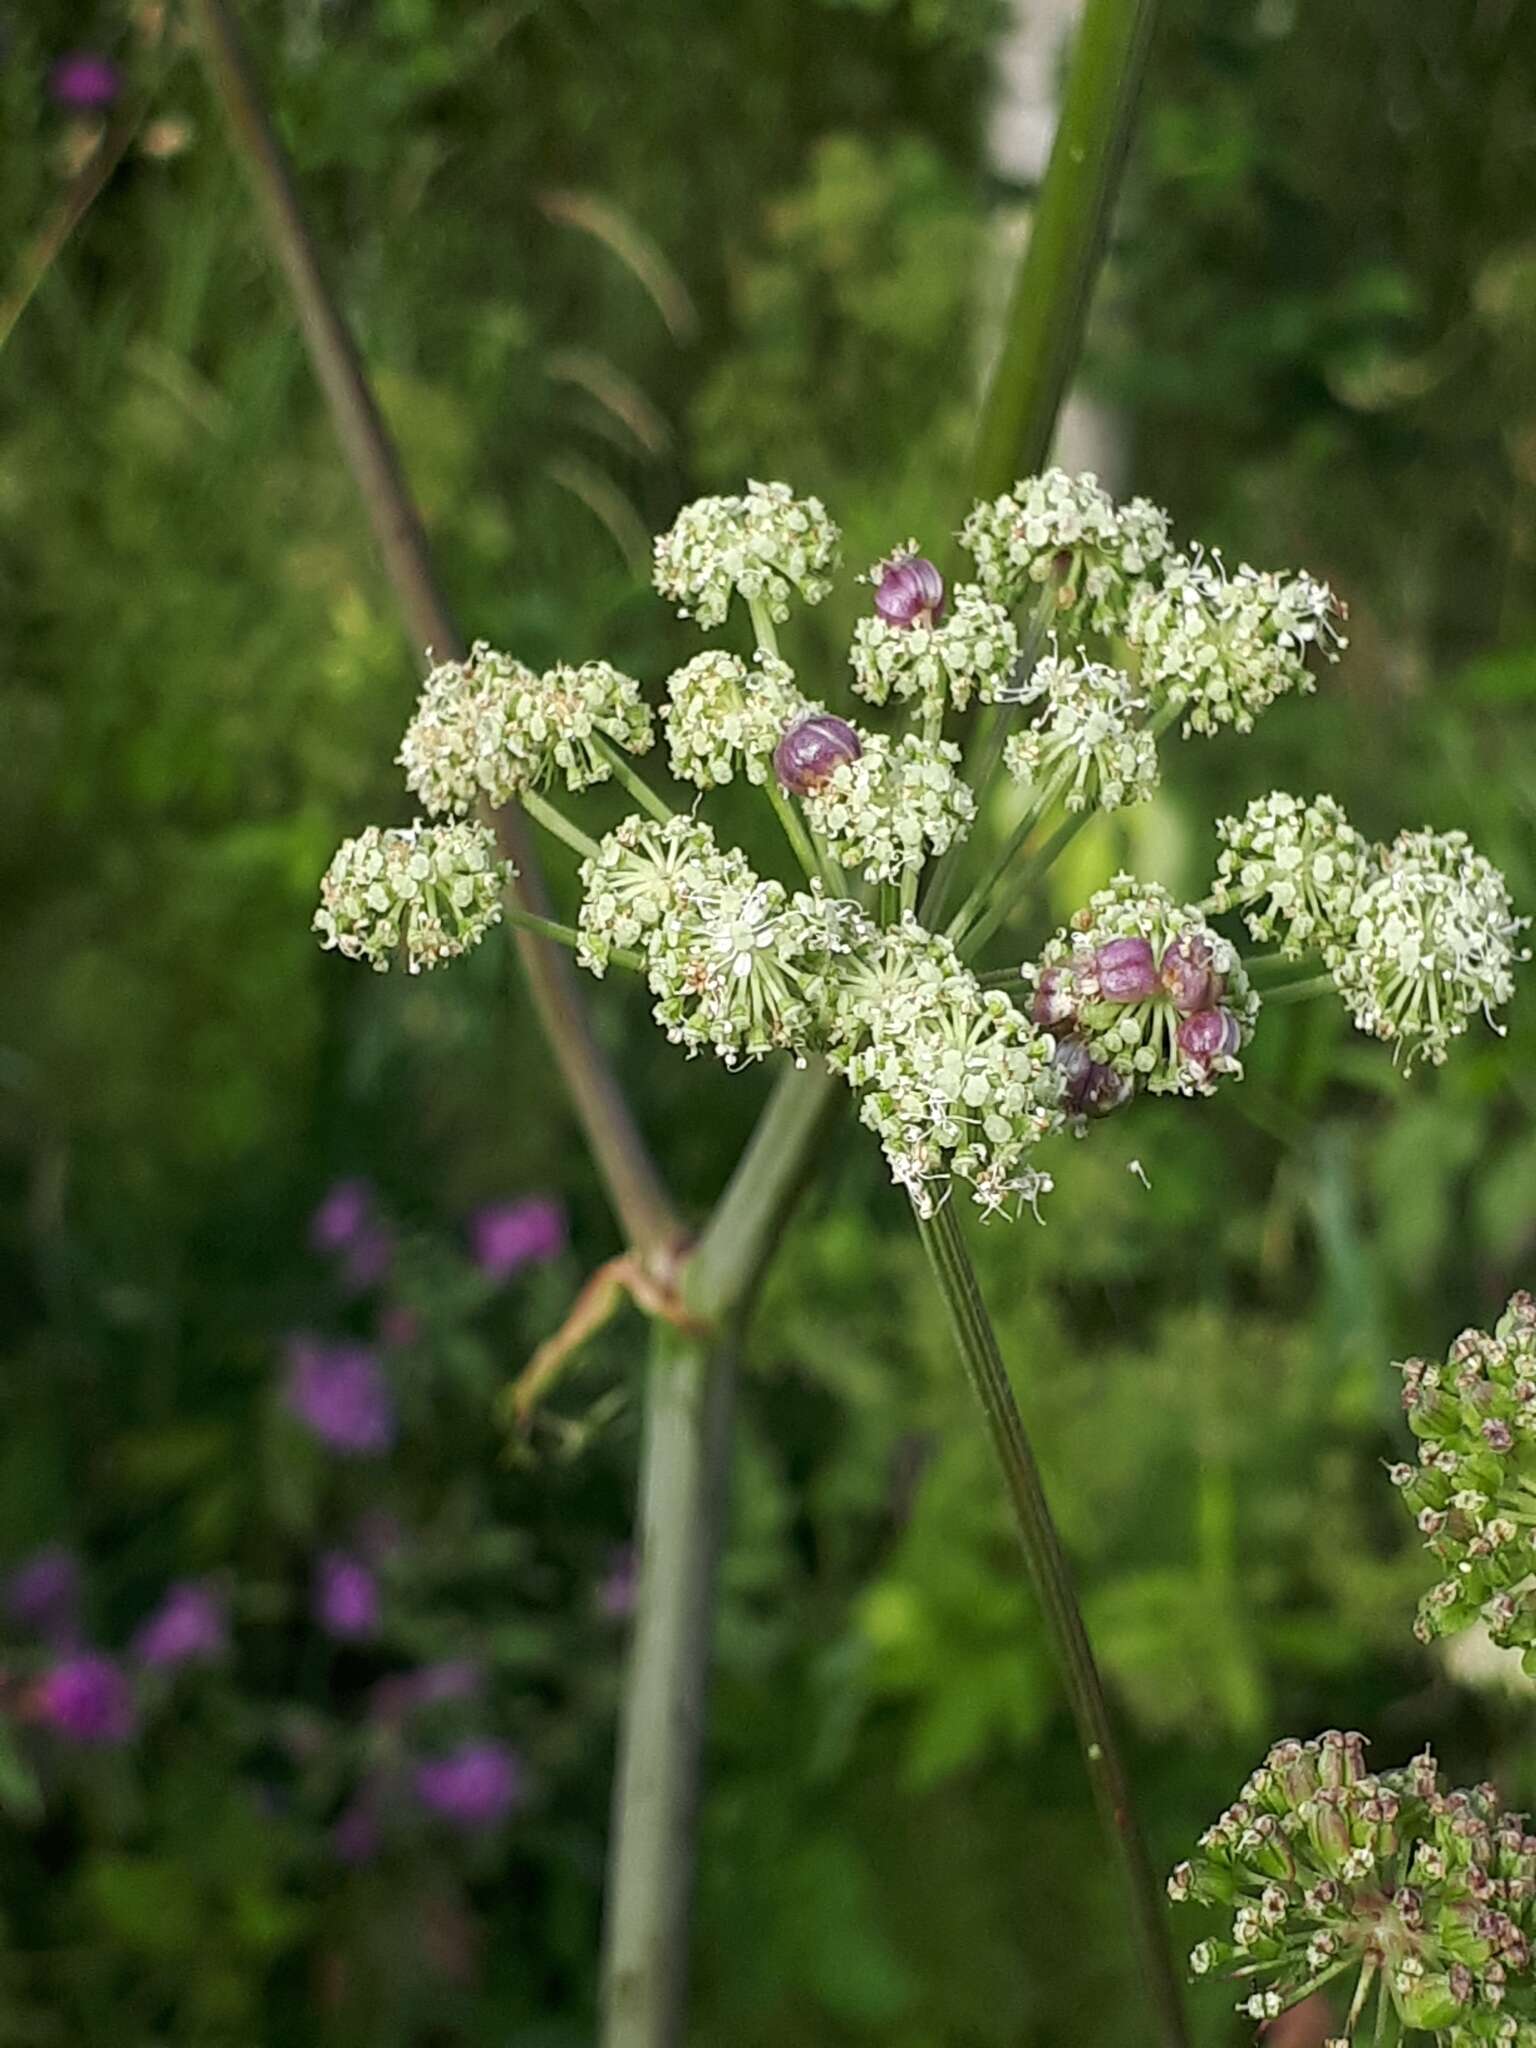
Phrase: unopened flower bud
{"type": "Point", "coordinates": [910, 592]}
{"type": "Point", "coordinates": [1126, 971]}
{"type": "Point", "coordinates": [1189, 974]}
{"type": "Point", "coordinates": [809, 753]}
{"type": "Point", "coordinates": [1208, 1036]}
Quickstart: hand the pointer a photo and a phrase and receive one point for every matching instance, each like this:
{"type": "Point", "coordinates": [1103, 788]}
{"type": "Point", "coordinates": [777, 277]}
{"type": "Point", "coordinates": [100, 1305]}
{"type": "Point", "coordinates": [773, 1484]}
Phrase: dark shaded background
{"type": "Point", "coordinates": [602, 257]}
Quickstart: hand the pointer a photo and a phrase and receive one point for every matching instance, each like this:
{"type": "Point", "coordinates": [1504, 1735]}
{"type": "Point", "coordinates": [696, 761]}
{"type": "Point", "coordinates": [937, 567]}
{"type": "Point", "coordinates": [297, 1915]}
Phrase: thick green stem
{"type": "Point", "coordinates": [1052, 1579]}
{"type": "Point", "coordinates": [684, 1465]}
{"type": "Point", "coordinates": [1066, 240]}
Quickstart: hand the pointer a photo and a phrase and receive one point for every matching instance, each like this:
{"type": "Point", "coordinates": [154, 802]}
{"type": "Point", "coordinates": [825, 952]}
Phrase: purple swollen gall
{"type": "Point", "coordinates": [1189, 974]}
{"type": "Point", "coordinates": [909, 592]}
{"type": "Point", "coordinates": [812, 750]}
{"type": "Point", "coordinates": [1126, 971]}
{"type": "Point", "coordinates": [1208, 1036]}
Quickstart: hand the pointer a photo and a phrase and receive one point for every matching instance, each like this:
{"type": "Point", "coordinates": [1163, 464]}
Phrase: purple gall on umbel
{"type": "Point", "coordinates": [909, 592]}
{"type": "Point", "coordinates": [813, 750]}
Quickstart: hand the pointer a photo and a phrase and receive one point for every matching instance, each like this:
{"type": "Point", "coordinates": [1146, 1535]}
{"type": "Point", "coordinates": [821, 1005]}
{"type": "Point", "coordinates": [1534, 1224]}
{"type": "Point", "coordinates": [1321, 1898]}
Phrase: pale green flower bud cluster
{"type": "Point", "coordinates": [969, 653]}
{"type": "Point", "coordinates": [763, 546]}
{"type": "Point", "coordinates": [723, 715]}
{"type": "Point", "coordinates": [898, 803]}
{"type": "Point", "coordinates": [641, 873]}
{"type": "Point", "coordinates": [1148, 989]}
{"type": "Point", "coordinates": [1433, 944]}
{"type": "Point", "coordinates": [489, 727]}
{"type": "Point", "coordinates": [1089, 744]}
{"type": "Point", "coordinates": [1473, 1491]}
{"type": "Point", "coordinates": [1417, 1903]}
{"type": "Point", "coordinates": [425, 892]}
{"type": "Point", "coordinates": [1221, 648]}
{"type": "Point", "coordinates": [1296, 870]}
{"type": "Point", "coordinates": [1065, 535]}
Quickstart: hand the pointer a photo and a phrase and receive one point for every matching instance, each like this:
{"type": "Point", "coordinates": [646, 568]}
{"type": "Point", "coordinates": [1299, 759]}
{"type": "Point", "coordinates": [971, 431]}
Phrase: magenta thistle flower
{"type": "Point", "coordinates": [339, 1391]}
{"type": "Point", "coordinates": [507, 1236]}
{"type": "Point", "coordinates": [84, 81]}
{"type": "Point", "coordinates": [343, 1213]}
{"type": "Point", "coordinates": [88, 1700]}
{"type": "Point", "coordinates": [347, 1604]}
{"type": "Point", "coordinates": [478, 1785]}
{"type": "Point", "coordinates": [190, 1626]}
{"type": "Point", "coordinates": [43, 1595]}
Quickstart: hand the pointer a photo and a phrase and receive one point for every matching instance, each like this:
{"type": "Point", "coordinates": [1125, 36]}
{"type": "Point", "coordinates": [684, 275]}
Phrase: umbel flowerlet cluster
{"type": "Point", "coordinates": [1082, 641]}
{"type": "Point", "coordinates": [1417, 1906]}
{"type": "Point", "coordinates": [1473, 1490]}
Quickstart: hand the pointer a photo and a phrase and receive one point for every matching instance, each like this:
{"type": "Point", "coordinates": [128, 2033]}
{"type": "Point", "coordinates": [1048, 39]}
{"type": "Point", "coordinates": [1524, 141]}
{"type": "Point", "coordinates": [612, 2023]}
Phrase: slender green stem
{"type": "Point", "coordinates": [1052, 1580]}
{"type": "Point", "coordinates": [634, 1185]}
{"type": "Point", "coordinates": [1071, 220]}
{"type": "Point", "coordinates": [794, 829]}
{"type": "Point", "coordinates": [554, 821]}
{"type": "Point", "coordinates": [685, 1466]}
{"type": "Point", "coordinates": [1040, 864]}
{"type": "Point", "coordinates": [1301, 991]}
{"type": "Point", "coordinates": [634, 782]}
{"type": "Point", "coordinates": [566, 935]}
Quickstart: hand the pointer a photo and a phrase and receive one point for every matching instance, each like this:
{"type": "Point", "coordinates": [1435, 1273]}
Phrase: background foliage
{"type": "Point", "coordinates": [601, 258]}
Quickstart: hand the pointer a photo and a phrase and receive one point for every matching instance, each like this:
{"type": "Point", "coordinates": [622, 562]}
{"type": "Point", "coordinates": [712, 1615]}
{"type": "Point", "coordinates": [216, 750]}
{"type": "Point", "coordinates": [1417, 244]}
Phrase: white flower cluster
{"type": "Point", "coordinates": [723, 715]}
{"type": "Point", "coordinates": [490, 727]}
{"type": "Point", "coordinates": [970, 652]}
{"type": "Point", "coordinates": [429, 892]}
{"type": "Point", "coordinates": [1295, 869]}
{"type": "Point", "coordinates": [899, 802]}
{"type": "Point", "coordinates": [1146, 989]}
{"type": "Point", "coordinates": [1222, 648]}
{"type": "Point", "coordinates": [1089, 745]}
{"type": "Point", "coordinates": [952, 1079]}
{"type": "Point", "coordinates": [763, 546]}
{"type": "Point", "coordinates": [642, 872]}
{"type": "Point", "coordinates": [1067, 533]}
{"type": "Point", "coordinates": [1433, 943]}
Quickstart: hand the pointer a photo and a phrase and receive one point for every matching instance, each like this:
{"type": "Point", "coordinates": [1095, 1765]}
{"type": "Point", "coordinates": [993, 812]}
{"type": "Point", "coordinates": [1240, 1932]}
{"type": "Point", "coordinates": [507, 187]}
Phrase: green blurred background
{"type": "Point", "coordinates": [602, 257]}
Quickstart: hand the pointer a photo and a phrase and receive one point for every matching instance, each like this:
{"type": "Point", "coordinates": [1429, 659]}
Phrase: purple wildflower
{"type": "Point", "coordinates": [85, 82]}
{"type": "Point", "coordinates": [618, 1586]}
{"type": "Point", "coordinates": [189, 1626]}
{"type": "Point", "coordinates": [87, 1699]}
{"type": "Point", "coordinates": [395, 1699]}
{"type": "Point", "coordinates": [478, 1785]}
{"type": "Point", "coordinates": [346, 1597]}
{"type": "Point", "coordinates": [366, 1262]}
{"type": "Point", "coordinates": [344, 1212]}
{"type": "Point", "coordinates": [510, 1235]}
{"type": "Point", "coordinates": [43, 1595]}
{"type": "Point", "coordinates": [340, 1392]}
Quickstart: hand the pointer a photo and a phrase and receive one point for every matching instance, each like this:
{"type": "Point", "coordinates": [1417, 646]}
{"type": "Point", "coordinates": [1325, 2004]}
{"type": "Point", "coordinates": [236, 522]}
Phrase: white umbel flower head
{"type": "Point", "coordinates": [1222, 648]}
{"type": "Point", "coordinates": [887, 811]}
{"type": "Point", "coordinates": [641, 873]}
{"type": "Point", "coordinates": [1295, 869]}
{"type": "Point", "coordinates": [970, 652]}
{"type": "Point", "coordinates": [905, 977]}
{"type": "Point", "coordinates": [1088, 743]}
{"type": "Point", "coordinates": [765, 546]}
{"type": "Point", "coordinates": [425, 892]}
{"type": "Point", "coordinates": [454, 750]}
{"type": "Point", "coordinates": [723, 716]}
{"type": "Point", "coordinates": [490, 727]}
{"type": "Point", "coordinates": [1433, 943]}
{"type": "Point", "coordinates": [741, 969]}
{"type": "Point", "coordinates": [965, 1092]}
{"type": "Point", "coordinates": [1147, 989]}
{"type": "Point", "coordinates": [1067, 535]}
